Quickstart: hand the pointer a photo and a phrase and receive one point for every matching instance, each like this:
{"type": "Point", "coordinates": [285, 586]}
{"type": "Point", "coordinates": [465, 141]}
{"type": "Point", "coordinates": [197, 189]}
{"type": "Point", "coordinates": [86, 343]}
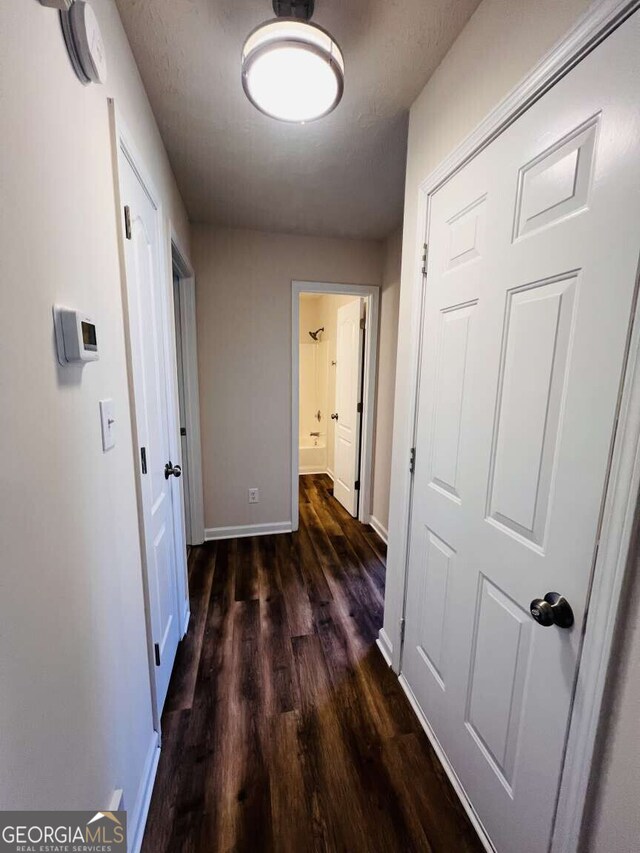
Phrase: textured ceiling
{"type": "Point", "coordinates": [342, 175]}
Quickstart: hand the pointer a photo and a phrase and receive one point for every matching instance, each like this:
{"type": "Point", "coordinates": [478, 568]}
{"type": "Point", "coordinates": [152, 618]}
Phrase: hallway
{"type": "Point", "coordinates": [284, 729]}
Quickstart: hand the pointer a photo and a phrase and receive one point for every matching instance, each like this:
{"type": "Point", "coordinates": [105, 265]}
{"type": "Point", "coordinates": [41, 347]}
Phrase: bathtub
{"type": "Point", "coordinates": [313, 455]}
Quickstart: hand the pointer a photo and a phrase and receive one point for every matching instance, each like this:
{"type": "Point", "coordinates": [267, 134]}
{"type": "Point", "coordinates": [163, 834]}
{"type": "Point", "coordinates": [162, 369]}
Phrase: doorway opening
{"type": "Point", "coordinates": [334, 357]}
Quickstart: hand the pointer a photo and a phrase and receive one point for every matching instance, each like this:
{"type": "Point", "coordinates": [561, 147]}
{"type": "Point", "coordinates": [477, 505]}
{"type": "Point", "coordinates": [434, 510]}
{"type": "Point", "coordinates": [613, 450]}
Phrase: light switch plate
{"type": "Point", "coordinates": [117, 801]}
{"type": "Point", "coordinates": [108, 421]}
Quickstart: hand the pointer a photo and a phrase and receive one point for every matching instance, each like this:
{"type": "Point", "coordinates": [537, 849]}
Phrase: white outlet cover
{"type": "Point", "coordinates": [108, 423]}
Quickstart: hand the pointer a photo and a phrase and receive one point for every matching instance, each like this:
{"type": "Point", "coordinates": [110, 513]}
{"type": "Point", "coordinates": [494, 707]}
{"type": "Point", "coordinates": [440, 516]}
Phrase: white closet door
{"type": "Point", "coordinates": [533, 257]}
{"type": "Point", "coordinates": [146, 292]}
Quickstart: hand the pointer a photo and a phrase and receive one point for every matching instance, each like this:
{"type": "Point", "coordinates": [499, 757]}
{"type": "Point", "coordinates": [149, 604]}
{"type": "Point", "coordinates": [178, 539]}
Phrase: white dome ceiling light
{"type": "Point", "coordinates": [292, 70]}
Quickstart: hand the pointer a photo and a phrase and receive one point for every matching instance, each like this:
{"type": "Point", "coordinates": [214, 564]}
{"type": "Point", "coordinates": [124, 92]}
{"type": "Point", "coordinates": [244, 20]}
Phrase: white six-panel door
{"type": "Point", "coordinates": [147, 331]}
{"type": "Point", "coordinates": [533, 255]}
{"type": "Point", "coordinates": [349, 349]}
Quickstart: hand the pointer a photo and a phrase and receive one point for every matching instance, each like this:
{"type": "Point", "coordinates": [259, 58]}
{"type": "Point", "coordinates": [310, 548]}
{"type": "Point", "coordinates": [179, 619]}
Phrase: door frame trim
{"type": "Point", "coordinates": [624, 476]}
{"type": "Point", "coordinates": [125, 147]}
{"type": "Point", "coordinates": [187, 289]}
{"type": "Point", "coordinates": [371, 293]}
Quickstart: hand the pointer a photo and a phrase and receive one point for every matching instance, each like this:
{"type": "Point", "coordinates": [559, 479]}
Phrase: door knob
{"type": "Point", "coordinates": [170, 469]}
{"type": "Point", "coordinates": [553, 609]}
{"type": "Point", "coordinates": [334, 416]}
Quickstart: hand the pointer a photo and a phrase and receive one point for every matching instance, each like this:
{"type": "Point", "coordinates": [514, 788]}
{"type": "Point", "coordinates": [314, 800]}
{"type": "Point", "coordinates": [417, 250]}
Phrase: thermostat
{"type": "Point", "coordinates": [76, 337]}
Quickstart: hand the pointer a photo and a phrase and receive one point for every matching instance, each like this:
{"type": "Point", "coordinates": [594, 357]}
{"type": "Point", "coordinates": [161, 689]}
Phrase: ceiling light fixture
{"type": "Point", "coordinates": [292, 70]}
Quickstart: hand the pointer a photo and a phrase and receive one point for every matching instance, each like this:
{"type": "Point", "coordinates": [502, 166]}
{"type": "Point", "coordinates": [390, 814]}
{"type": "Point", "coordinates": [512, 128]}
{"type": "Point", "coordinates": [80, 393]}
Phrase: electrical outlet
{"type": "Point", "coordinates": [254, 496]}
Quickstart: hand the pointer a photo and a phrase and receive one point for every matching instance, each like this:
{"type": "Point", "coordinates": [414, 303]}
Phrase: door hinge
{"type": "Point", "coordinates": [412, 460]}
{"type": "Point", "coordinates": [402, 624]}
{"type": "Point", "coordinates": [156, 649]}
{"type": "Point", "coordinates": [359, 408]}
{"type": "Point", "coordinates": [127, 222]}
{"type": "Point", "coordinates": [143, 459]}
{"type": "Point", "coordinates": [363, 323]}
{"type": "Point", "coordinates": [183, 430]}
{"type": "Point", "coordinates": [425, 255]}
{"type": "Point", "coordinates": [356, 485]}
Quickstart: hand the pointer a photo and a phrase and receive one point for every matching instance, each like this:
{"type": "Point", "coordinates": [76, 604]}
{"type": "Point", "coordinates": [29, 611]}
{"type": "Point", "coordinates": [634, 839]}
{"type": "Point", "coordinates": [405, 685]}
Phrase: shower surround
{"type": "Point", "coordinates": [314, 401]}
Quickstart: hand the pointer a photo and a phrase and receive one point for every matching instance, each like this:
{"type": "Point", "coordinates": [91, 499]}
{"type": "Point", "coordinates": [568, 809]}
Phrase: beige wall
{"type": "Point", "coordinates": [310, 315]}
{"type": "Point", "coordinates": [612, 823]}
{"type": "Point", "coordinates": [503, 40]}
{"type": "Point", "coordinates": [244, 358]}
{"type": "Point", "coordinates": [75, 711]}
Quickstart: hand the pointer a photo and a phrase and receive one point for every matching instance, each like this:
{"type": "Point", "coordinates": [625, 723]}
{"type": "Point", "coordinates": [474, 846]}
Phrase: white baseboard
{"type": "Point", "coordinates": [311, 469]}
{"type": "Point", "coordinates": [380, 529]}
{"type": "Point", "coordinates": [329, 473]}
{"type": "Point", "coordinates": [448, 769]}
{"type": "Point", "coordinates": [136, 825]}
{"type": "Point", "coordinates": [213, 533]}
{"type": "Point", "coordinates": [384, 644]}
{"type": "Point", "coordinates": [185, 622]}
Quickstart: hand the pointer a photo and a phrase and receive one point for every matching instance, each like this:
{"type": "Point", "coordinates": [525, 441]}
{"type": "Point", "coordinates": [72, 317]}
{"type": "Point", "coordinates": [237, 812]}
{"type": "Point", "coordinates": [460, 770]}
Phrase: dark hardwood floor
{"type": "Point", "coordinates": [284, 729]}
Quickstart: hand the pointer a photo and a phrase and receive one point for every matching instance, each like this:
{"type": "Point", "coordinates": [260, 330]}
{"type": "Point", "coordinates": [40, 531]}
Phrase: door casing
{"type": "Point", "coordinates": [624, 476]}
{"type": "Point", "coordinates": [187, 288]}
{"type": "Point", "coordinates": [371, 293]}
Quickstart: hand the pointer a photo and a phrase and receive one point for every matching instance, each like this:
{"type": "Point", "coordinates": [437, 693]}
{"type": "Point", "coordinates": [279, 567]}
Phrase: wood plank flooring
{"type": "Point", "coordinates": [284, 729]}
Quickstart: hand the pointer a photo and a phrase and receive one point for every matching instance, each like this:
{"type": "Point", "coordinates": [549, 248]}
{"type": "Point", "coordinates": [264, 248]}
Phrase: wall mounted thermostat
{"type": "Point", "coordinates": [76, 337]}
{"type": "Point", "coordinates": [108, 423]}
{"type": "Point", "coordinates": [84, 42]}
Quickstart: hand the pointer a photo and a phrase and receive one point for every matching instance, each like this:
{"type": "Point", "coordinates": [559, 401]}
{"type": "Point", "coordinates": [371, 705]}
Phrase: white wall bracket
{"type": "Point", "coordinates": [61, 5]}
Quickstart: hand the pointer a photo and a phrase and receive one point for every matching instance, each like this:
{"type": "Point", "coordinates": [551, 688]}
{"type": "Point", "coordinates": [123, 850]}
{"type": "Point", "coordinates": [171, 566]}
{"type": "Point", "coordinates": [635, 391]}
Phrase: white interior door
{"type": "Point", "coordinates": [147, 302]}
{"type": "Point", "coordinates": [533, 256]}
{"type": "Point", "coordinates": [349, 350]}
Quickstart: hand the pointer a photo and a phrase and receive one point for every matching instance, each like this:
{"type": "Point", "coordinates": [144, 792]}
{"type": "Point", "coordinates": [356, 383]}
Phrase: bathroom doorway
{"type": "Point", "coordinates": [334, 359]}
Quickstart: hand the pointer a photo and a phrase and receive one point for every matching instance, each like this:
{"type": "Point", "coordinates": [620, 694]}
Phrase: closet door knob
{"type": "Point", "coordinates": [170, 469]}
{"type": "Point", "coordinates": [334, 416]}
{"type": "Point", "coordinates": [553, 609]}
